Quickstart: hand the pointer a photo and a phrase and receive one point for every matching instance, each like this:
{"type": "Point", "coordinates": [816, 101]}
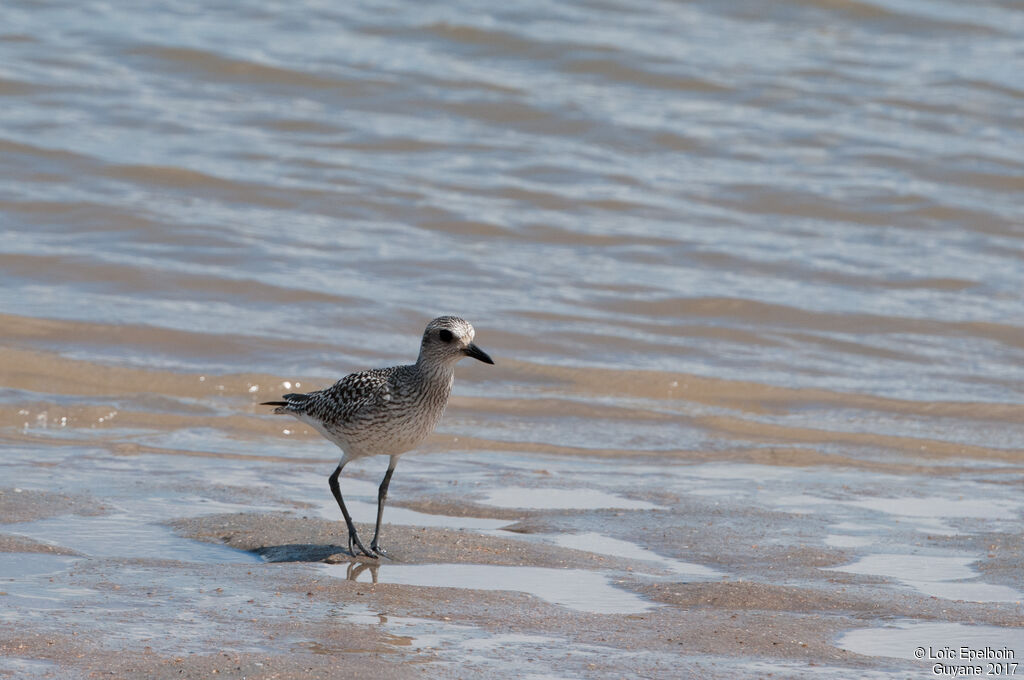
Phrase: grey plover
{"type": "Point", "coordinates": [386, 411]}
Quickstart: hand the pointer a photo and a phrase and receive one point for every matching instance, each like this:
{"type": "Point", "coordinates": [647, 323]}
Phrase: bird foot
{"type": "Point", "coordinates": [379, 549]}
{"type": "Point", "coordinates": [354, 537]}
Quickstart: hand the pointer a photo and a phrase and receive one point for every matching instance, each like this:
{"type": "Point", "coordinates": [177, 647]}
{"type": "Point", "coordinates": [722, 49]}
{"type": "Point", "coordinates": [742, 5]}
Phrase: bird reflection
{"type": "Point", "coordinates": [355, 569]}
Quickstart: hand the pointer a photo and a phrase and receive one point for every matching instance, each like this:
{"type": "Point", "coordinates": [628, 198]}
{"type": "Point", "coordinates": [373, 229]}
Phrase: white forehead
{"type": "Point", "coordinates": [459, 327]}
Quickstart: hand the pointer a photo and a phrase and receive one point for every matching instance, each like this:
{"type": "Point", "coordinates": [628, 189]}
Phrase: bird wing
{"type": "Point", "coordinates": [345, 398]}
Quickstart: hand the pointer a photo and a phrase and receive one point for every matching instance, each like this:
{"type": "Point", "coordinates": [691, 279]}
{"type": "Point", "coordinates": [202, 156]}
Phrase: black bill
{"type": "Point", "coordinates": [477, 353]}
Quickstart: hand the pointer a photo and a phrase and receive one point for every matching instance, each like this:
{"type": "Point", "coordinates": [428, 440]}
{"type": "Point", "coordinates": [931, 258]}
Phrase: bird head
{"type": "Point", "coordinates": [449, 338]}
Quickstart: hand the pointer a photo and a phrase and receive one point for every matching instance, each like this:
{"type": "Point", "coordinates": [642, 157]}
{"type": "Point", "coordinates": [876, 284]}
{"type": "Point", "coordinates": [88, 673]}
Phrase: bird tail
{"type": "Point", "coordinates": [291, 404]}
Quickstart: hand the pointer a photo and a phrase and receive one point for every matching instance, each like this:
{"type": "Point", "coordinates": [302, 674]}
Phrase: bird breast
{"type": "Point", "coordinates": [401, 420]}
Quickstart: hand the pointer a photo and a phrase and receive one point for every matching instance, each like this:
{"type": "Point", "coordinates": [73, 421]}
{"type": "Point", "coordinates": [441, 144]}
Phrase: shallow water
{"type": "Point", "coordinates": [594, 542]}
{"type": "Point", "coordinates": [577, 589]}
{"type": "Point", "coordinates": [128, 536]}
{"type": "Point", "coordinates": [561, 499]}
{"type": "Point", "coordinates": [727, 261]}
{"type": "Point", "coordinates": [947, 576]}
{"type": "Point", "coordinates": [823, 196]}
{"type": "Point", "coordinates": [900, 638]}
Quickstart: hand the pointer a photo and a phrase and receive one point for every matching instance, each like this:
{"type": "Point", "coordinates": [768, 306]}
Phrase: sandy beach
{"type": "Point", "coordinates": [152, 562]}
{"type": "Point", "coordinates": [750, 276]}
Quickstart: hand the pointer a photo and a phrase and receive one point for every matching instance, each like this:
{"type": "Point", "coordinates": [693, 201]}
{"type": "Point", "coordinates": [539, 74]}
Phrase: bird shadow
{"type": "Point", "coordinates": [301, 552]}
{"type": "Point", "coordinates": [309, 552]}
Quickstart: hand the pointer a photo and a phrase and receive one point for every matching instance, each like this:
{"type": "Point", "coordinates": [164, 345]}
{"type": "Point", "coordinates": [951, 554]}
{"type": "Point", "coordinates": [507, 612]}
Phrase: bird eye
{"type": "Point", "coordinates": [445, 335]}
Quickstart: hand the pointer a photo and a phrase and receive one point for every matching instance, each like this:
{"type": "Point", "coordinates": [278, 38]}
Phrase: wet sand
{"type": "Point", "coordinates": [667, 584]}
{"type": "Point", "coordinates": [180, 530]}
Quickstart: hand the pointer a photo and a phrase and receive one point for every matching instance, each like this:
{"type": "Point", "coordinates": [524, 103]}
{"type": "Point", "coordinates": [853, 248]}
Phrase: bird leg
{"type": "Point", "coordinates": [352, 535]}
{"type": "Point", "coordinates": [382, 494]}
